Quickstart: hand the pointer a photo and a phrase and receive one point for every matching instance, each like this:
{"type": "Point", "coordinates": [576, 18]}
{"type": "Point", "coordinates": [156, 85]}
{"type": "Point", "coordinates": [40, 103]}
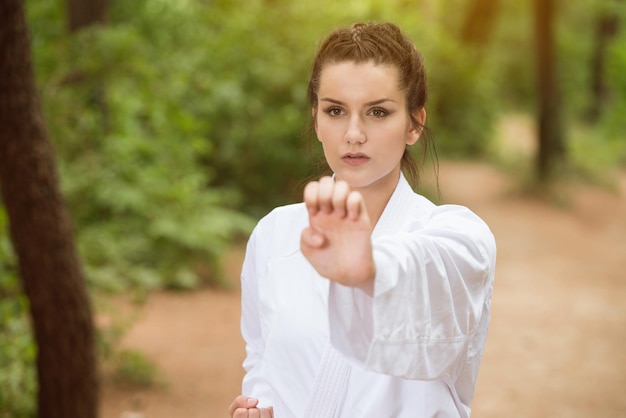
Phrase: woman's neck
{"type": "Point", "coordinates": [376, 197]}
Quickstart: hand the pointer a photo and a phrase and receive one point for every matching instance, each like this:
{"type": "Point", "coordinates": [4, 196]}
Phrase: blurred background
{"type": "Point", "coordinates": [178, 124]}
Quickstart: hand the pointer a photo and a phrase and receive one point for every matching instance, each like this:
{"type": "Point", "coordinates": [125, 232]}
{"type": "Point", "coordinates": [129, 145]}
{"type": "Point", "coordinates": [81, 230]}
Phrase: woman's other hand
{"type": "Point", "coordinates": [246, 407]}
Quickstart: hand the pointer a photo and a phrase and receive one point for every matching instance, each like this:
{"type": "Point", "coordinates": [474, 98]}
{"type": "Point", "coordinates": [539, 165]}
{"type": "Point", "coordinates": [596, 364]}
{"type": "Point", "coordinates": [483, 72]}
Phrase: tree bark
{"type": "Point", "coordinates": [551, 142]}
{"type": "Point", "coordinates": [41, 234]}
{"type": "Point", "coordinates": [84, 13]}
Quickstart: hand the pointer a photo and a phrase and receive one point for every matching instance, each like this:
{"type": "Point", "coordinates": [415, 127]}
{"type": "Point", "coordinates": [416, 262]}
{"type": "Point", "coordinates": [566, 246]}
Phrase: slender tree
{"type": "Point", "coordinates": [606, 27]}
{"type": "Point", "coordinates": [551, 138]}
{"type": "Point", "coordinates": [41, 235]}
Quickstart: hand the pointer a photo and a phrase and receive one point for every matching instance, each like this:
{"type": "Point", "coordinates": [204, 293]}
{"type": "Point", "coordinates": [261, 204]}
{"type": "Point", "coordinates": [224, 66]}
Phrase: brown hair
{"type": "Point", "coordinates": [380, 43]}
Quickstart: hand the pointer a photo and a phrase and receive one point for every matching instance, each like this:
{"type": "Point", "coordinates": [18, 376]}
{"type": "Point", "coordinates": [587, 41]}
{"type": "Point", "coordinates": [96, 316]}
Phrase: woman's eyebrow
{"type": "Point", "coordinates": [328, 99]}
{"type": "Point", "coordinates": [372, 103]}
{"type": "Point", "coordinates": [379, 101]}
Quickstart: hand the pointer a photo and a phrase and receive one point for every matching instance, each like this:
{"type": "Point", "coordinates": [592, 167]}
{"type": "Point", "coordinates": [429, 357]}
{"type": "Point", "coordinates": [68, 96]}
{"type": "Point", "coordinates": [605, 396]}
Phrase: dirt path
{"type": "Point", "coordinates": [558, 332]}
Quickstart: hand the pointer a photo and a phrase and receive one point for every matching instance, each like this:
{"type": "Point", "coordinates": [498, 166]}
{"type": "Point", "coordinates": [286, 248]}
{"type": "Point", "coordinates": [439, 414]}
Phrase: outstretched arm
{"type": "Point", "coordinates": [338, 240]}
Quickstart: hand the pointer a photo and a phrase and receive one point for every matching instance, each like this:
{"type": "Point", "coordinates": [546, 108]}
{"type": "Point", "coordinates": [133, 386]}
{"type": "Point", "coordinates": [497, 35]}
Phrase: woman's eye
{"type": "Point", "coordinates": [334, 111]}
{"type": "Point", "coordinates": [379, 113]}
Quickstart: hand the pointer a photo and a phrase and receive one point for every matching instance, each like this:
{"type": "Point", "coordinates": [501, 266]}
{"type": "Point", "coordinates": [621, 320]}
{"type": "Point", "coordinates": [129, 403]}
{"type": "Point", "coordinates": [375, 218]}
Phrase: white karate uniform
{"type": "Point", "coordinates": [318, 349]}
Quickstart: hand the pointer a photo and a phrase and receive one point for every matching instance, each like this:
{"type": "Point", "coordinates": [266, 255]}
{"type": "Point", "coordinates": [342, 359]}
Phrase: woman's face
{"type": "Point", "coordinates": [363, 124]}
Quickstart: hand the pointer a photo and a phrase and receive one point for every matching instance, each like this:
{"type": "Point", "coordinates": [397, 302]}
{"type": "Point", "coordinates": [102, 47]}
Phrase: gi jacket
{"type": "Point", "coordinates": [317, 348]}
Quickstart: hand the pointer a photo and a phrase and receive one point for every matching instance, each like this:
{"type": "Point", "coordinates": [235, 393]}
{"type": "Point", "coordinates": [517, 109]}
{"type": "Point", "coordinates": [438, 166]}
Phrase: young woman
{"type": "Point", "coordinates": [365, 300]}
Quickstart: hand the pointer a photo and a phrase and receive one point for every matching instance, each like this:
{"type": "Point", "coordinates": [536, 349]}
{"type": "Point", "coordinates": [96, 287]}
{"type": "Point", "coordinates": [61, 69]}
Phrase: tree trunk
{"type": "Point", "coordinates": [42, 236]}
{"type": "Point", "coordinates": [551, 145]}
{"type": "Point", "coordinates": [607, 25]}
{"type": "Point", "coordinates": [84, 13]}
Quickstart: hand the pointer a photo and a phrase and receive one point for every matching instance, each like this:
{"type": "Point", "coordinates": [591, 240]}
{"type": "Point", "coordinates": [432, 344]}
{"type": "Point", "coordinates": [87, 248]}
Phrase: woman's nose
{"type": "Point", "coordinates": [354, 132]}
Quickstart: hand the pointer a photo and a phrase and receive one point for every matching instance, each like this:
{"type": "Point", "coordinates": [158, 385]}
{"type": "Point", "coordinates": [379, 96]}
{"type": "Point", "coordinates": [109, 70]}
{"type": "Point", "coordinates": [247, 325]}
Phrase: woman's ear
{"type": "Point", "coordinates": [416, 130]}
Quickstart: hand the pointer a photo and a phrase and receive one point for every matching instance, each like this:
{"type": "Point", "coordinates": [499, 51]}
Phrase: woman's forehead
{"type": "Point", "coordinates": [359, 80]}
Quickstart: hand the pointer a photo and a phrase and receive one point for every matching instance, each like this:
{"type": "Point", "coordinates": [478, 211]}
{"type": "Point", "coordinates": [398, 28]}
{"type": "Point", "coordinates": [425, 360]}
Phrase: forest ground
{"type": "Point", "coordinates": [556, 345]}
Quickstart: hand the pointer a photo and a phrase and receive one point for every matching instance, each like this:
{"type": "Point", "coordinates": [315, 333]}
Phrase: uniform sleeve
{"type": "Point", "coordinates": [254, 384]}
{"type": "Point", "coordinates": [430, 290]}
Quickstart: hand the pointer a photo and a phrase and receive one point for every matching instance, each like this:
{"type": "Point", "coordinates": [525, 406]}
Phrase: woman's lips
{"type": "Point", "coordinates": [355, 158]}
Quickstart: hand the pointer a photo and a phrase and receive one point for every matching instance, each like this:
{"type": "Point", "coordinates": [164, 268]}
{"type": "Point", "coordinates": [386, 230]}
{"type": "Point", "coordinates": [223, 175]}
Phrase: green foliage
{"type": "Point", "coordinates": [257, 102]}
{"type": "Point", "coordinates": [514, 64]}
{"type": "Point", "coordinates": [594, 154]}
{"type": "Point", "coordinates": [17, 349]}
{"type": "Point", "coordinates": [599, 146]}
{"type": "Point", "coordinates": [131, 131]}
{"type": "Point", "coordinates": [135, 370]}
{"type": "Point", "coordinates": [17, 361]}
{"type": "Point", "coordinates": [613, 121]}
{"type": "Point", "coordinates": [461, 109]}
{"type": "Point", "coordinates": [512, 52]}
